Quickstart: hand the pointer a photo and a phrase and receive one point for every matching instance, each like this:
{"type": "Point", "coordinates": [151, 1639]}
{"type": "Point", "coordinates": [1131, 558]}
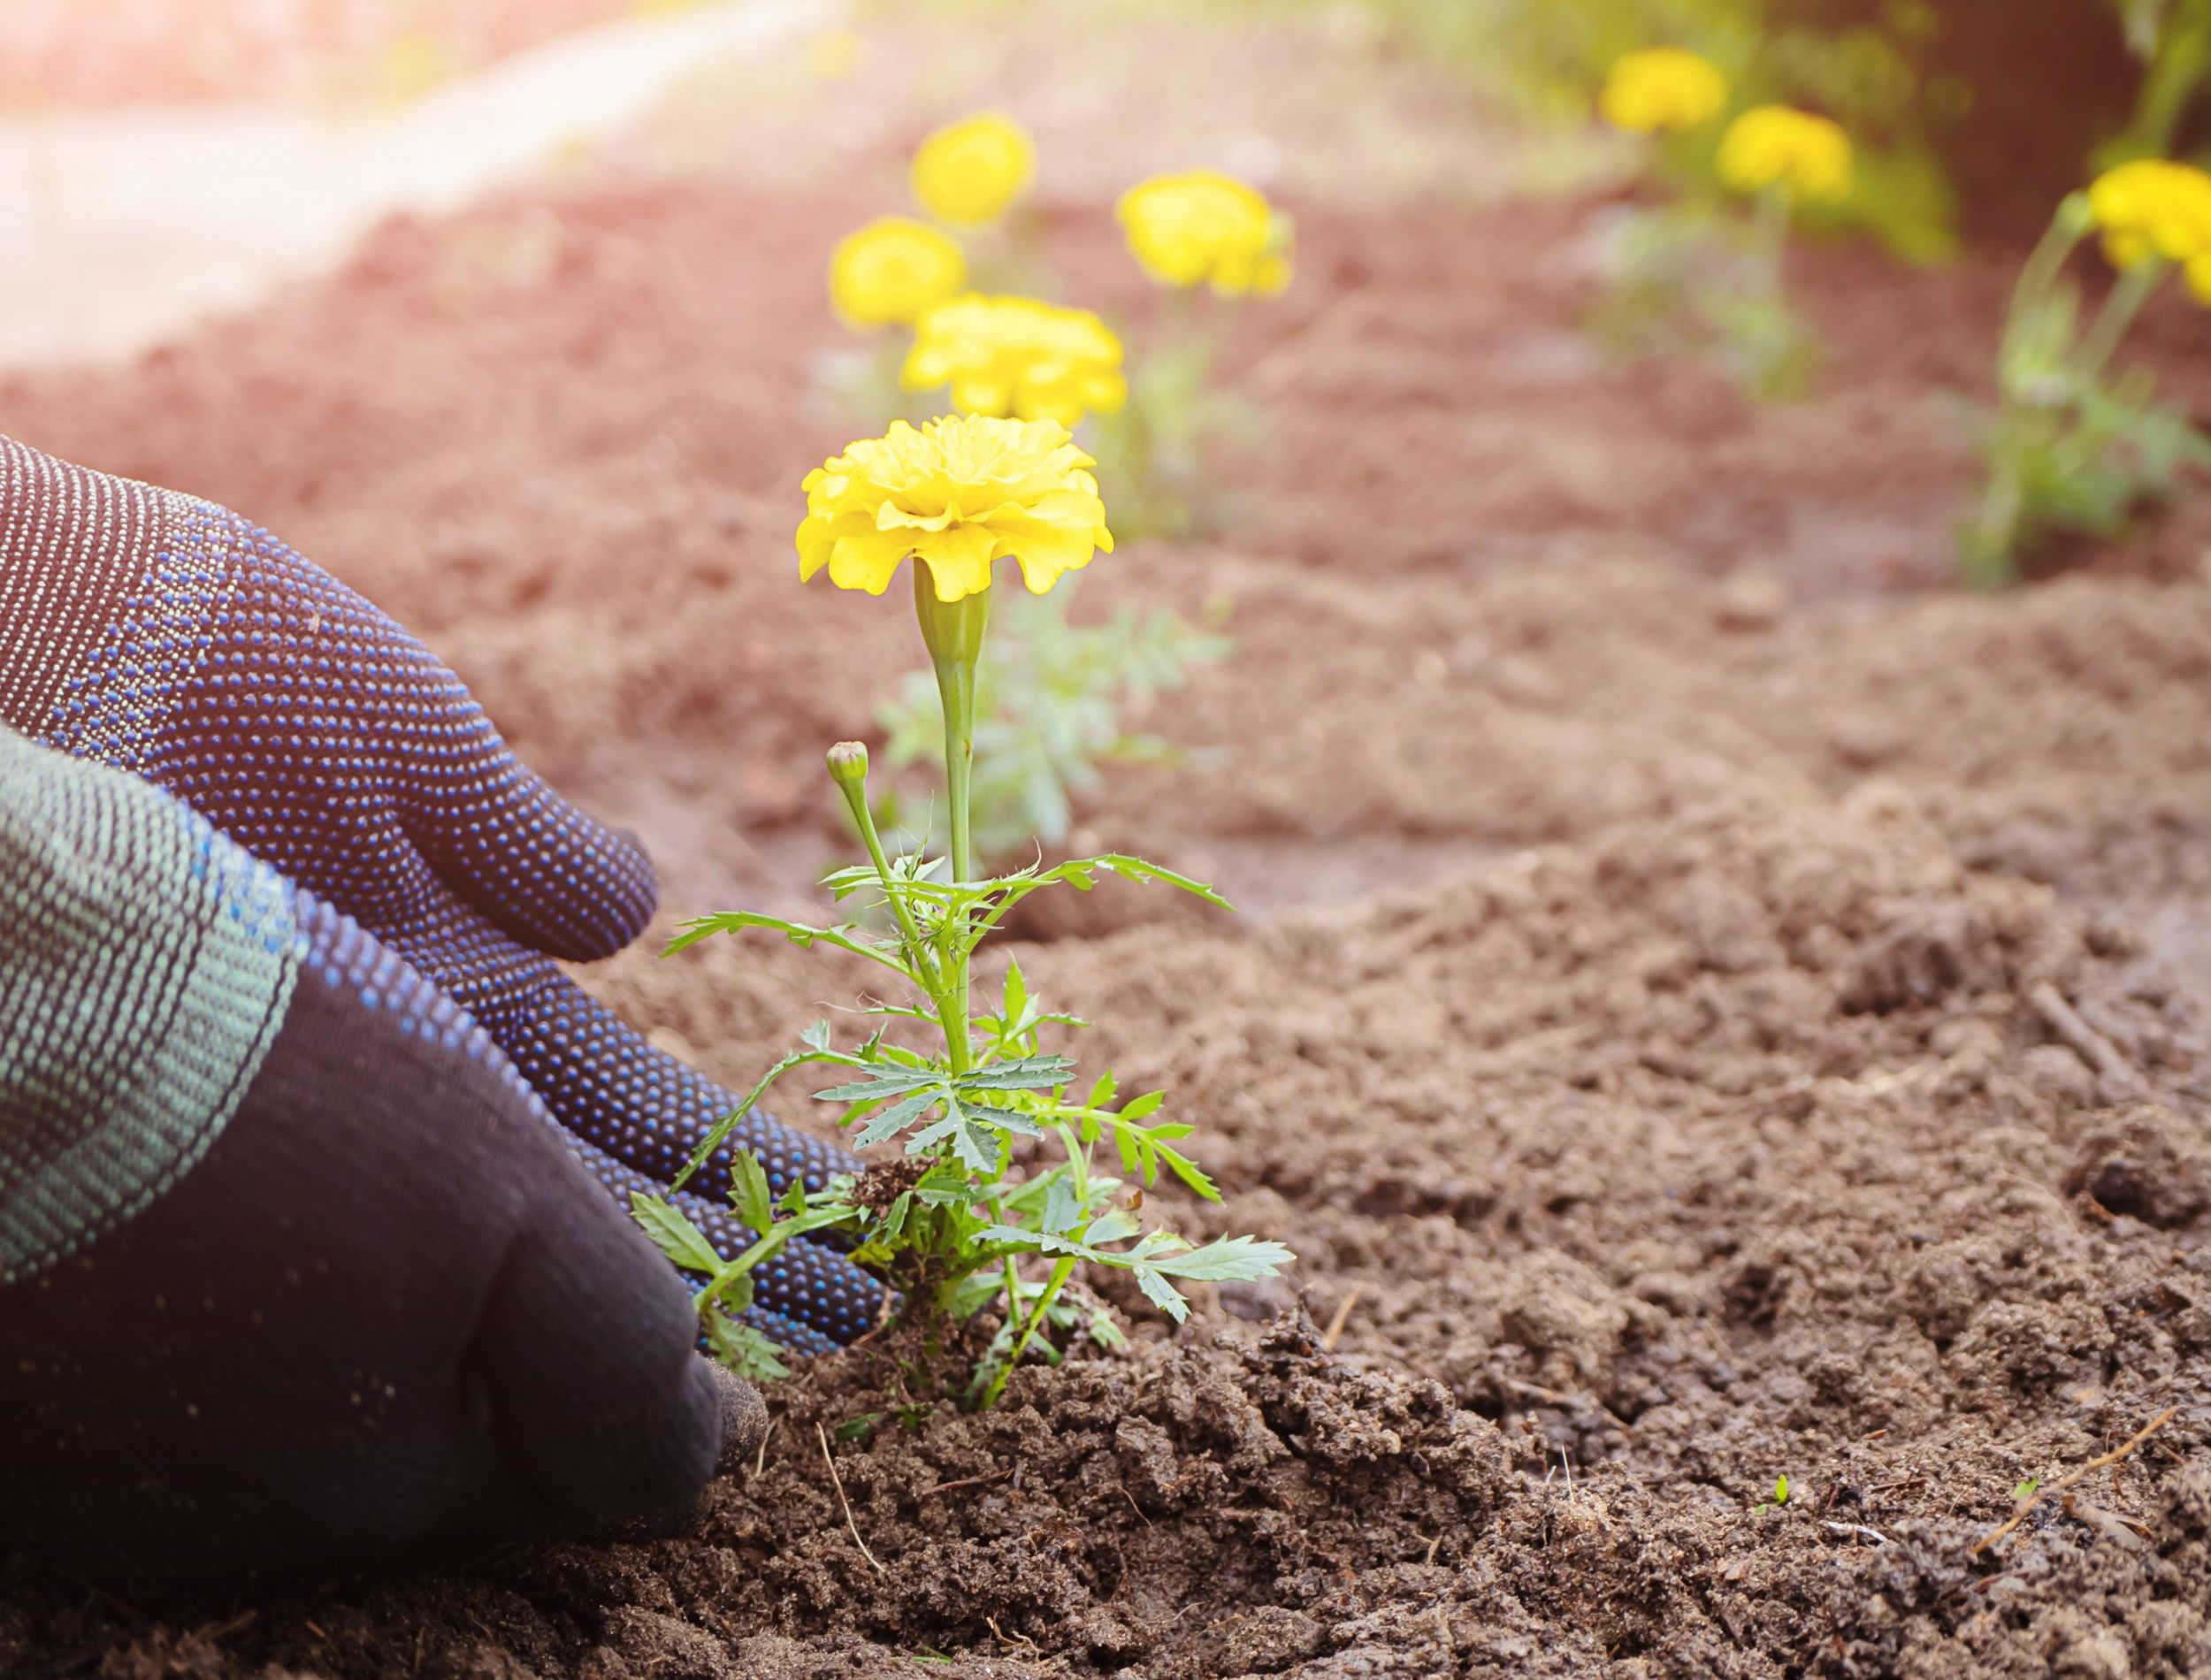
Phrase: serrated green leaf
{"type": "Point", "coordinates": [1018, 1074]}
{"type": "Point", "coordinates": [749, 1191]}
{"type": "Point", "coordinates": [889, 1122]}
{"type": "Point", "coordinates": [1062, 1208]}
{"type": "Point", "coordinates": [895, 1083]}
{"type": "Point", "coordinates": [973, 1145]}
{"type": "Point", "coordinates": [1016, 998]}
{"type": "Point", "coordinates": [1161, 1293]}
{"type": "Point", "coordinates": [1231, 1258]}
{"type": "Point", "coordinates": [672, 1233]}
{"type": "Point", "coordinates": [1137, 1108]}
{"type": "Point", "coordinates": [794, 1198]}
{"type": "Point", "coordinates": [817, 1036]}
{"type": "Point", "coordinates": [744, 1349]}
{"type": "Point", "coordinates": [1191, 1174]}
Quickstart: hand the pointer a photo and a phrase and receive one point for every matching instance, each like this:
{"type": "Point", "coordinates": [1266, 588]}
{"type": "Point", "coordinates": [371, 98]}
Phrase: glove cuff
{"type": "Point", "coordinates": [145, 965]}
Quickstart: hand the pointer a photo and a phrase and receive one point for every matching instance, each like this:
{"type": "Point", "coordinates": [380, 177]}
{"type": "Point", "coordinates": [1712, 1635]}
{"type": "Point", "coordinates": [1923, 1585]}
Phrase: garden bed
{"type": "Point", "coordinates": [1715, 1004]}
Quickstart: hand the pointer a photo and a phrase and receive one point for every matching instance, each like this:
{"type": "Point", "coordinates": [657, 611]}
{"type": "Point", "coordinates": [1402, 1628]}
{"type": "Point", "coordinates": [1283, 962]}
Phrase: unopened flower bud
{"type": "Point", "coordinates": [848, 763]}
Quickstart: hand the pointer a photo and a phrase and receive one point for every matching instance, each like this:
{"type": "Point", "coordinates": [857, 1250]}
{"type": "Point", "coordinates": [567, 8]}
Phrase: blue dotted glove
{"type": "Point", "coordinates": [163, 634]}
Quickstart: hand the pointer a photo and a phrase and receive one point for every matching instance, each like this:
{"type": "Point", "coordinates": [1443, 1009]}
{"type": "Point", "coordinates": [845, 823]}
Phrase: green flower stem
{"type": "Point", "coordinates": [1062, 1271]}
{"type": "Point", "coordinates": [855, 792]}
{"type": "Point", "coordinates": [954, 631]}
{"type": "Point", "coordinates": [2120, 307]}
{"type": "Point", "coordinates": [2043, 266]}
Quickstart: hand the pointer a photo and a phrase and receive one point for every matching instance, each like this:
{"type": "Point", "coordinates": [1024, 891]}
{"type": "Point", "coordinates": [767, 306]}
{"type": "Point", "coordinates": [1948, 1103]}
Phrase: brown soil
{"type": "Point", "coordinates": [1716, 1004]}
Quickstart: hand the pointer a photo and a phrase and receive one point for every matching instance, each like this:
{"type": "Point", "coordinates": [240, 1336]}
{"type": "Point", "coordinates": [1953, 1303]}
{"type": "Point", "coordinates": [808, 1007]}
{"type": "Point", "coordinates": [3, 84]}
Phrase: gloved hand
{"type": "Point", "coordinates": [294, 1269]}
{"type": "Point", "coordinates": [160, 633]}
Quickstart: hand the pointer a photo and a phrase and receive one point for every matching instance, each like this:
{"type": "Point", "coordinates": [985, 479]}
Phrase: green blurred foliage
{"type": "Point", "coordinates": [2173, 40]}
{"type": "Point", "coordinates": [1546, 58]}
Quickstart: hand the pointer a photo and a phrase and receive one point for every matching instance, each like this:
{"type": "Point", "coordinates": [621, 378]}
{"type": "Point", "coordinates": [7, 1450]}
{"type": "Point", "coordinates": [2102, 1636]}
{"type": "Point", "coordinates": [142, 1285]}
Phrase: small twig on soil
{"type": "Point", "coordinates": [1336, 1319]}
{"type": "Point", "coordinates": [970, 1481]}
{"type": "Point", "coordinates": [760, 1459]}
{"type": "Point", "coordinates": [1859, 1530]}
{"type": "Point", "coordinates": [2028, 1503]}
{"type": "Point", "coordinates": [2092, 1047]}
{"type": "Point", "coordinates": [1567, 1464]}
{"type": "Point", "coordinates": [1016, 1639]}
{"type": "Point", "coordinates": [1433, 1544]}
{"type": "Point", "coordinates": [838, 1481]}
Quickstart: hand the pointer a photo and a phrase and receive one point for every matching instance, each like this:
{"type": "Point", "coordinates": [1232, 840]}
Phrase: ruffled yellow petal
{"type": "Point", "coordinates": [893, 271]}
{"type": "Point", "coordinates": [1206, 228]}
{"type": "Point", "coordinates": [959, 494]}
{"type": "Point", "coordinates": [970, 170]}
{"type": "Point", "coordinates": [1806, 156]}
{"type": "Point", "coordinates": [1662, 88]}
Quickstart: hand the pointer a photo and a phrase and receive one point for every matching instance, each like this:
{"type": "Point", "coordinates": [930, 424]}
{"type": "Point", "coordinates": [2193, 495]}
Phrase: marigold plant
{"type": "Point", "coordinates": [1778, 148]}
{"type": "Point", "coordinates": [1003, 1149]}
{"type": "Point", "coordinates": [1204, 228]}
{"type": "Point", "coordinates": [2071, 447]}
{"type": "Point", "coordinates": [1662, 89]}
{"type": "Point", "coordinates": [893, 271]}
{"type": "Point", "coordinates": [970, 171]}
{"type": "Point", "coordinates": [1696, 267]}
{"type": "Point", "coordinates": [1013, 358]}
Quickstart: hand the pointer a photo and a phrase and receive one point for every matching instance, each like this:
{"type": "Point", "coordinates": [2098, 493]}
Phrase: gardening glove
{"type": "Point", "coordinates": [162, 634]}
{"type": "Point", "coordinates": [294, 1269]}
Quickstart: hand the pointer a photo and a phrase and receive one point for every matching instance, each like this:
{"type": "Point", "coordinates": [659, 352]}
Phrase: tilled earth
{"type": "Point", "coordinates": [1713, 1003]}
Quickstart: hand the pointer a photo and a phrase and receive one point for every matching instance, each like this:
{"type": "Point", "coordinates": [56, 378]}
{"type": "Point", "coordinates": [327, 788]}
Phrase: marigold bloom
{"type": "Point", "coordinates": [1013, 357]}
{"type": "Point", "coordinates": [1210, 227]}
{"type": "Point", "coordinates": [968, 172]}
{"type": "Point", "coordinates": [959, 494]}
{"type": "Point", "coordinates": [2152, 206]}
{"type": "Point", "coordinates": [1807, 156]}
{"type": "Point", "coordinates": [1662, 88]}
{"type": "Point", "coordinates": [893, 269]}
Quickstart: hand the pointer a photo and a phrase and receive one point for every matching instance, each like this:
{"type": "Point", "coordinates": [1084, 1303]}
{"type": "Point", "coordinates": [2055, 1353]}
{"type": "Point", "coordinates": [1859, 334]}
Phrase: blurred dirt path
{"type": "Point", "coordinates": [119, 230]}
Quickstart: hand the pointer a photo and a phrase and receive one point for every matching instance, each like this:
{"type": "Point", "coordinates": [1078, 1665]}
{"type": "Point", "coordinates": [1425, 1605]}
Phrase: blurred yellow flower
{"type": "Point", "coordinates": [894, 270]}
{"type": "Point", "coordinates": [2152, 206]}
{"type": "Point", "coordinates": [1660, 87]}
{"type": "Point", "coordinates": [968, 172]}
{"type": "Point", "coordinates": [1015, 356]}
{"type": "Point", "coordinates": [1807, 156]}
{"type": "Point", "coordinates": [960, 492]}
{"type": "Point", "coordinates": [1209, 228]}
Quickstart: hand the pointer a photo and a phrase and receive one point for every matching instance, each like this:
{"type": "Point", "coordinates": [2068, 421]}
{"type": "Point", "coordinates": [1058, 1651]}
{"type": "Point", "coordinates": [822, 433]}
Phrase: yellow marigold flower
{"type": "Point", "coordinates": [1806, 156]}
{"type": "Point", "coordinates": [959, 494]}
{"type": "Point", "coordinates": [2152, 206]}
{"type": "Point", "coordinates": [1015, 356]}
{"type": "Point", "coordinates": [894, 270]}
{"type": "Point", "coordinates": [1210, 227]}
{"type": "Point", "coordinates": [968, 172]}
{"type": "Point", "coordinates": [1667, 88]}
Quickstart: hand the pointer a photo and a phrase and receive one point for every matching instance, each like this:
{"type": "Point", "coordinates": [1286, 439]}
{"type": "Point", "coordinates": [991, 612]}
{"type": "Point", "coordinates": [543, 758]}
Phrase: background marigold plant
{"type": "Point", "coordinates": [1006, 1157]}
{"type": "Point", "coordinates": [2070, 447]}
{"type": "Point", "coordinates": [1694, 268]}
{"type": "Point", "coordinates": [1058, 696]}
